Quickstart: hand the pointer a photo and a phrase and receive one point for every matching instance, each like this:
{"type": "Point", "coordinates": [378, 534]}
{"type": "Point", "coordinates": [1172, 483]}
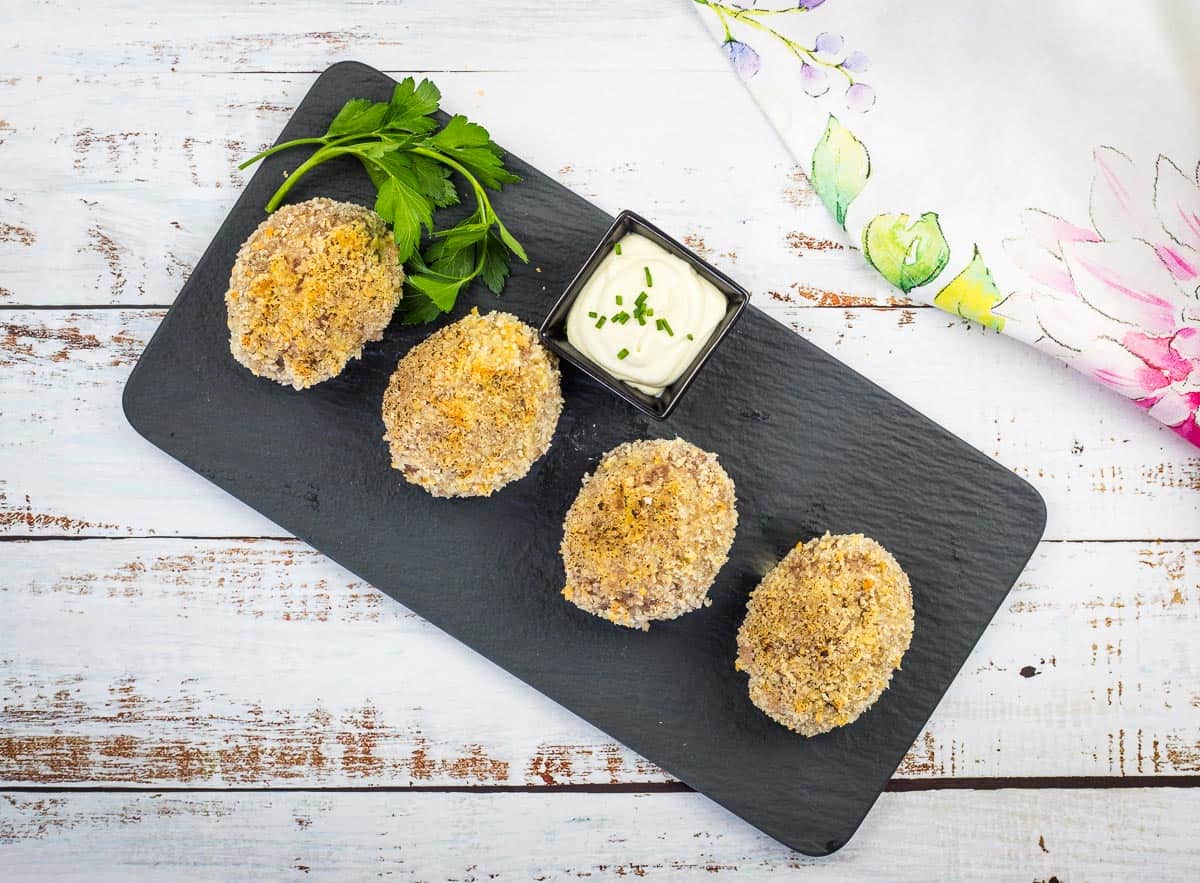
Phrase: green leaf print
{"type": "Point", "coordinates": [972, 294]}
{"type": "Point", "coordinates": [840, 168]}
{"type": "Point", "coordinates": [907, 253]}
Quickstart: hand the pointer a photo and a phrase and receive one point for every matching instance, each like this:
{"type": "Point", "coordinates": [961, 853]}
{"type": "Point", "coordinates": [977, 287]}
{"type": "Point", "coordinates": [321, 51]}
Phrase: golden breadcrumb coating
{"type": "Point", "coordinates": [648, 533]}
{"type": "Point", "coordinates": [824, 631]}
{"type": "Point", "coordinates": [472, 406]}
{"type": "Point", "coordinates": [315, 282]}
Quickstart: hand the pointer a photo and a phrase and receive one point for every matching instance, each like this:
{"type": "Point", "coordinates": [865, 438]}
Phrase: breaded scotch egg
{"type": "Point", "coordinates": [471, 407]}
{"type": "Point", "coordinates": [315, 282]}
{"type": "Point", "coordinates": [824, 631]}
{"type": "Point", "coordinates": [648, 533]}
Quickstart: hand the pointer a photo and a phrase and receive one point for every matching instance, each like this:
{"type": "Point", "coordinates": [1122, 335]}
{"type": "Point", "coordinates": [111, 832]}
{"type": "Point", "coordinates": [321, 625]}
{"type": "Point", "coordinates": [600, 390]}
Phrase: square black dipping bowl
{"type": "Point", "coordinates": [554, 329]}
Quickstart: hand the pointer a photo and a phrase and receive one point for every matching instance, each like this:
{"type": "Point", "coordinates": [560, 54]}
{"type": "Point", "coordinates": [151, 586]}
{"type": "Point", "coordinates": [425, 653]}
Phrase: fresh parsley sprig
{"type": "Point", "coordinates": [411, 160]}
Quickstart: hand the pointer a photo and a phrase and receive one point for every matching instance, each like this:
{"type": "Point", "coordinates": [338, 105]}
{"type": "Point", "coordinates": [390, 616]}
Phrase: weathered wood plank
{"type": "Point", "coordinates": [70, 465]}
{"type": "Point", "coordinates": [176, 662]}
{"type": "Point", "coordinates": [111, 206]}
{"type": "Point", "coordinates": [228, 35]}
{"type": "Point", "coordinates": [218, 663]}
{"type": "Point", "coordinates": [952, 835]}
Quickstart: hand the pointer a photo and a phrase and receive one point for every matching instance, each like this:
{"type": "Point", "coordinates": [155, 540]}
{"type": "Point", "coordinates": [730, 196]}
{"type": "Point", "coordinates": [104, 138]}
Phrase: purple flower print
{"type": "Point", "coordinates": [856, 62]}
{"type": "Point", "coordinates": [743, 58]}
{"type": "Point", "coordinates": [813, 80]}
{"type": "Point", "coordinates": [828, 45]}
{"type": "Point", "coordinates": [826, 55]}
{"type": "Point", "coordinates": [860, 97]}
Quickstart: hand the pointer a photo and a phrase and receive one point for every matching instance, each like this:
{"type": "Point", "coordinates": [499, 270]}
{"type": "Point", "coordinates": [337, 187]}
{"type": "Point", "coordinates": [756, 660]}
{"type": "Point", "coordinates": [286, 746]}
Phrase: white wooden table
{"type": "Point", "coordinates": [187, 693]}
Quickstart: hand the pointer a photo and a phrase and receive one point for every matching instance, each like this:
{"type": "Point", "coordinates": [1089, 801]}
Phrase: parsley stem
{"type": "Point", "coordinates": [484, 205]}
{"type": "Point", "coordinates": [300, 142]}
{"type": "Point", "coordinates": [277, 148]}
{"type": "Point", "coordinates": [325, 153]}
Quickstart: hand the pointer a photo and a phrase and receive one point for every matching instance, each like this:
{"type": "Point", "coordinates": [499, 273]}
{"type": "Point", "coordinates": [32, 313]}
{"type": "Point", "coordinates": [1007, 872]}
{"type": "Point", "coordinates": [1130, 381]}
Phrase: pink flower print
{"type": "Point", "coordinates": [1119, 299]}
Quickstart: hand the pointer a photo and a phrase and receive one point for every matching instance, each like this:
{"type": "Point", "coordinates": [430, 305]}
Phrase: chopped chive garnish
{"type": "Point", "coordinates": [641, 320]}
{"type": "Point", "coordinates": [690, 337]}
{"type": "Point", "coordinates": [641, 299]}
{"type": "Point", "coordinates": [622, 354]}
{"type": "Point", "coordinates": [621, 317]}
{"type": "Point", "coordinates": [620, 300]}
{"type": "Point", "coordinates": [667, 327]}
{"type": "Point", "coordinates": [649, 281]}
{"type": "Point", "coordinates": [658, 323]}
{"type": "Point", "coordinates": [649, 311]}
{"type": "Point", "coordinates": [592, 314]}
{"type": "Point", "coordinates": [617, 248]}
{"type": "Point", "coordinates": [600, 322]}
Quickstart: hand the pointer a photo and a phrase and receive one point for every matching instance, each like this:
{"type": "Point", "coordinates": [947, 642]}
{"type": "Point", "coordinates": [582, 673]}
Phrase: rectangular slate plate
{"type": "Point", "coordinates": [811, 446]}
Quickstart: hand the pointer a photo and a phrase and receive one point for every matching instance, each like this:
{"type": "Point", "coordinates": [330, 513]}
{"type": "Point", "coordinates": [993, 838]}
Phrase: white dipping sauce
{"type": "Point", "coordinates": [644, 354]}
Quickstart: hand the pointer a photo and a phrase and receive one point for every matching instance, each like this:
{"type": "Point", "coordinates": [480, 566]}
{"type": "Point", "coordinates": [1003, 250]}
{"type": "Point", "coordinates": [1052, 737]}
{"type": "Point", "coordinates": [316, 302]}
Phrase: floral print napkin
{"type": "Point", "coordinates": [1030, 166]}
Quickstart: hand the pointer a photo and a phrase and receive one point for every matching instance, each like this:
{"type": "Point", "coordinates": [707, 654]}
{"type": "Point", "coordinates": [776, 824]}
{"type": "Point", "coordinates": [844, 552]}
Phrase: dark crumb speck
{"type": "Point", "coordinates": [755, 415]}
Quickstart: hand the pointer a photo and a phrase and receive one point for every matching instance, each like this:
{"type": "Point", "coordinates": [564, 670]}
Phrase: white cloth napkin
{"type": "Point", "coordinates": [1031, 166]}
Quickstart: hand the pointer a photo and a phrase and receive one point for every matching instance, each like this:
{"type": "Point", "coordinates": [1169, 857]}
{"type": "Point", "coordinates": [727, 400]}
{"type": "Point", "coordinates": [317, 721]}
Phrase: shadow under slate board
{"type": "Point", "coordinates": [810, 444]}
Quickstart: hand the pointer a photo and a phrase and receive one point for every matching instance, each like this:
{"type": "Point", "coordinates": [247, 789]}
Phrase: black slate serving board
{"type": "Point", "coordinates": [810, 444]}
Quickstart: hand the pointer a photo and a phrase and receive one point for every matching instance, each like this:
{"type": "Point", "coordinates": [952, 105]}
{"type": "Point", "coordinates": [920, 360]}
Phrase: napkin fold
{"type": "Point", "coordinates": [1033, 167]}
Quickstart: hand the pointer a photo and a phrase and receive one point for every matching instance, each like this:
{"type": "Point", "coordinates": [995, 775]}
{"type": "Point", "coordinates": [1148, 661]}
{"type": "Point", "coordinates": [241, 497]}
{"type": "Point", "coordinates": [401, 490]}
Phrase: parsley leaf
{"type": "Point", "coordinates": [432, 179]}
{"type": "Point", "coordinates": [495, 264]}
{"type": "Point", "coordinates": [412, 106]}
{"type": "Point", "coordinates": [511, 241]}
{"type": "Point", "coordinates": [470, 144]}
{"type": "Point", "coordinates": [442, 290]}
{"type": "Point", "coordinates": [417, 309]}
{"type": "Point", "coordinates": [357, 115]}
{"type": "Point", "coordinates": [411, 162]}
{"type": "Point", "coordinates": [399, 201]}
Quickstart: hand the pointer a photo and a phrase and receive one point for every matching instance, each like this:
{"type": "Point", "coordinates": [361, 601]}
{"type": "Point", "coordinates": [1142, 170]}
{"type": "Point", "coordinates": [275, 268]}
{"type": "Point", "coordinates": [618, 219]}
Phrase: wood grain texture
{"type": "Point", "coordinates": [178, 663]}
{"type": "Point", "coordinates": [115, 207]}
{"type": "Point", "coordinates": [233, 36]}
{"type": "Point", "coordinates": [1001, 835]}
{"type": "Point", "coordinates": [70, 465]}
